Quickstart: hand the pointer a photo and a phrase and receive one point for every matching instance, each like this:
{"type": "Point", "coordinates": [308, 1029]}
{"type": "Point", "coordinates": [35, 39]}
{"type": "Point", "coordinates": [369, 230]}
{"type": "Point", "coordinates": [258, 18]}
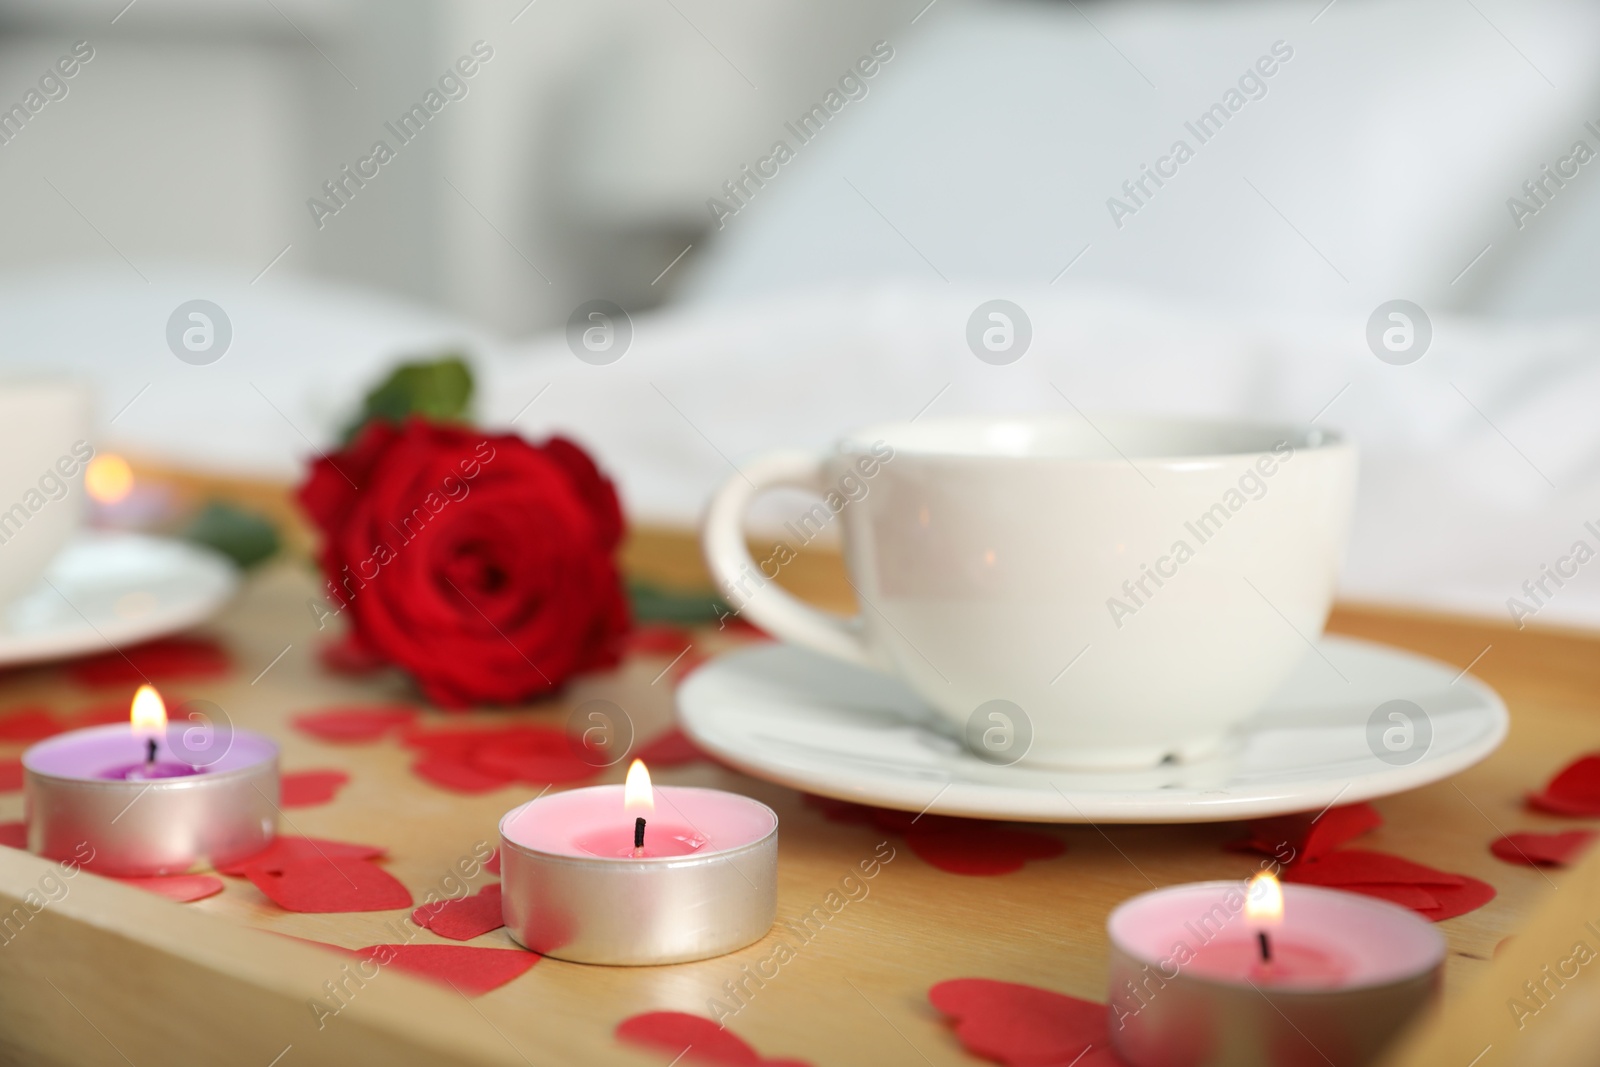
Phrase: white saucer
{"type": "Point", "coordinates": [816, 724]}
{"type": "Point", "coordinates": [108, 590]}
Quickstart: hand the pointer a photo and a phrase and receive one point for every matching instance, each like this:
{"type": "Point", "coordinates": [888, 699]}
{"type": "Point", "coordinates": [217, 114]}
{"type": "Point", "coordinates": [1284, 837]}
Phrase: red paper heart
{"type": "Point", "coordinates": [1307, 837]}
{"type": "Point", "coordinates": [896, 822]}
{"type": "Point", "coordinates": [1414, 897]}
{"type": "Point", "coordinates": [331, 886]}
{"type": "Point", "coordinates": [104, 714]}
{"type": "Point", "coordinates": [458, 777]}
{"type": "Point", "coordinates": [14, 834]}
{"type": "Point", "coordinates": [656, 639]}
{"type": "Point", "coordinates": [468, 968]}
{"type": "Point", "coordinates": [1024, 1026]}
{"type": "Point", "coordinates": [464, 919]}
{"type": "Point", "coordinates": [492, 864]}
{"type": "Point", "coordinates": [959, 846]}
{"type": "Point", "coordinates": [354, 724]}
{"type": "Point", "coordinates": [180, 887]}
{"type": "Point", "coordinates": [541, 758]}
{"type": "Point", "coordinates": [171, 657]}
{"type": "Point", "coordinates": [306, 789]}
{"type": "Point", "coordinates": [974, 847]}
{"type": "Point", "coordinates": [10, 775]}
{"type": "Point", "coordinates": [289, 851]}
{"type": "Point", "coordinates": [1543, 850]}
{"type": "Point", "coordinates": [693, 1039]}
{"type": "Point", "coordinates": [1389, 877]}
{"type": "Point", "coordinates": [480, 761]}
{"type": "Point", "coordinates": [1574, 791]}
{"type": "Point", "coordinates": [350, 657]}
{"type": "Point", "coordinates": [739, 626]}
{"type": "Point", "coordinates": [30, 722]}
{"type": "Point", "coordinates": [1354, 866]}
{"type": "Point", "coordinates": [1458, 899]}
{"type": "Point", "coordinates": [671, 749]}
{"type": "Point", "coordinates": [35, 723]}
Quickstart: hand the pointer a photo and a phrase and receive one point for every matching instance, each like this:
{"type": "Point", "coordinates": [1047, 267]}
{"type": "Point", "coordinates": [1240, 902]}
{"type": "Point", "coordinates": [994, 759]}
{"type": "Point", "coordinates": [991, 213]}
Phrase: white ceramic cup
{"type": "Point", "coordinates": [1070, 594]}
{"type": "Point", "coordinates": [44, 447]}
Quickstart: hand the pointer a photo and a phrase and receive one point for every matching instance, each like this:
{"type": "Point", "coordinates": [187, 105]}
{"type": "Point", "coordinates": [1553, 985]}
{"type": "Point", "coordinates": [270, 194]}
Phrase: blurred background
{"type": "Point", "coordinates": [1337, 156]}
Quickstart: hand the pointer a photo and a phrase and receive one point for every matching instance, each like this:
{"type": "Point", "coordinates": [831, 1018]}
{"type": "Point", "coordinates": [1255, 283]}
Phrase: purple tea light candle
{"type": "Point", "coordinates": [149, 797]}
{"type": "Point", "coordinates": [635, 874]}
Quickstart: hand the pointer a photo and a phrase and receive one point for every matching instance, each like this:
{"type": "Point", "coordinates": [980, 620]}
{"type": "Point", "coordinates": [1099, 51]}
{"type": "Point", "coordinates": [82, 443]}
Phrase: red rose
{"type": "Point", "coordinates": [483, 565]}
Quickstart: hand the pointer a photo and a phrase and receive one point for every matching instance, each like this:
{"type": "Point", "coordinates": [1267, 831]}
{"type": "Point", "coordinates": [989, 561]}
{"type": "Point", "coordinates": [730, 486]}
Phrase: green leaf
{"type": "Point", "coordinates": [652, 603]}
{"type": "Point", "coordinates": [439, 390]}
{"type": "Point", "coordinates": [243, 536]}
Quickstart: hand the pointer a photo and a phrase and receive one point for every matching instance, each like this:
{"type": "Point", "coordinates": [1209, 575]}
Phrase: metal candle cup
{"type": "Point", "coordinates": [569, 891]}
{"type": "Point", "coordinates": [1189, 988]}
{"type": "Point", "coordinates": [137, 827]}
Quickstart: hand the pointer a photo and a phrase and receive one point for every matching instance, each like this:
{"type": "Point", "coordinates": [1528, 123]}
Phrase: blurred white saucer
{"type": "Point", "coordinates": [108, 590]}
{"type": "Point", "coordinates": [823, 726]}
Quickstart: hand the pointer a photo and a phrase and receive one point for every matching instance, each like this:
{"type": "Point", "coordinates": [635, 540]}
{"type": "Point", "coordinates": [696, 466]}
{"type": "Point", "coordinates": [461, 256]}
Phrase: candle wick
{"type": "Point", "coordinates": [638, 833]}
{"type": "Point", "coordinates": [150, 752]}
{"type": "Point", "coordinates": [1266, 946]}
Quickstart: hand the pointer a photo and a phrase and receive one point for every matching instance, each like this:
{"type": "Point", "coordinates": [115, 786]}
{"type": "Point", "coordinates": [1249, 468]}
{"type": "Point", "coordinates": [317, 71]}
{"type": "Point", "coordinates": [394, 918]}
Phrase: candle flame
{"type": "Point", "coordinates": [636, 792]}
{"type": "Point", "coordinates": [108, 478]}
{"type": "Point", "coordinates": [1263, 899]}
{"type": "Point", "coordinates": [148, 714]}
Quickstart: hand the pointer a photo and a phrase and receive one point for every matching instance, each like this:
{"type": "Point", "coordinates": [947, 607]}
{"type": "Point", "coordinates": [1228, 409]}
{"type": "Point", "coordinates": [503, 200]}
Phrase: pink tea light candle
{"type": "Point", "coordinates": [636, 874]}
{"type": "Point", "coordinates": [1265, 975]}
{"type": "Point", "coordinates": [149, 797]}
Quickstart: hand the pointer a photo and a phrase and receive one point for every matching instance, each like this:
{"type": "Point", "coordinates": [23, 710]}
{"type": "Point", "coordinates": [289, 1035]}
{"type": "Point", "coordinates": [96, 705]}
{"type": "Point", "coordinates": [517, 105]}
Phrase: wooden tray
{"type": "Point", "coordinates": [112, 975]}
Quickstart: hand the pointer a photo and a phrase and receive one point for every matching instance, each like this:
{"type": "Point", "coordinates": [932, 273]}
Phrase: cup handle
{"type": "Point", "coordinates": [752, 593]}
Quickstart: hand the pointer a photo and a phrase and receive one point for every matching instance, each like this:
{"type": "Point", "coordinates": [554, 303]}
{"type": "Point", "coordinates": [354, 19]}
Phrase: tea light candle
{"type": "Point", "coordinates": [636, 874]}
{"type": "Point", "coordinates": [1220, 973]}
{"type": "Point", "coordinates": [151, 798]}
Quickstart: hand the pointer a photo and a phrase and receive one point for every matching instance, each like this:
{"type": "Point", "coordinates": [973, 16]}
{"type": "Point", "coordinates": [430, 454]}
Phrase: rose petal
{"type": "Point", "coordinates": [14, 834]}
{"type": "Point", "coordinates": [171, 657]}
{"type": "Point", "coordinates": [591, 484]}
{"type": "Point", "coordinates": [974, 847]}
{"type": "Point", "coordinates": [693, 1039]}
{"type": "Point", "coordinates": [331, 886]}
{"type": "Point", "coordinates": [182, 888]}
{"type": "Point", "coordinates": [305, 789]}
{"type": "Point", "coordinates": [1542, 850]}
{"type": "Point", "coordinates": [1024, 1026]}
{"type": "Point", "coordinates": [10, 775]}
{"type": "Point", "coordinates": [466, 968]}
{"type": "Point", "coordinates": [464, 919]}
{"type": "Point", "coordinates": [354, 724]}
{"type": "Point", "coordinates": [1573, 791]}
